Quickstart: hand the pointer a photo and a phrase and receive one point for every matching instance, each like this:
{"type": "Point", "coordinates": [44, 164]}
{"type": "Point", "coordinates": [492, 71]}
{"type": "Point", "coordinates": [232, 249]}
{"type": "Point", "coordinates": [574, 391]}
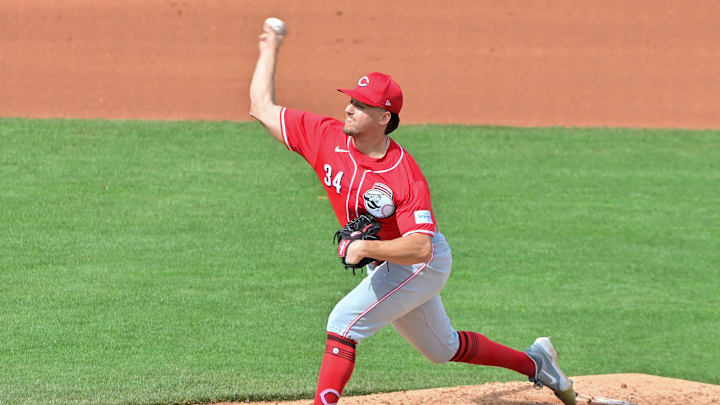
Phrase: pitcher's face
{"type": "Point", "coordinates": [361, 118]}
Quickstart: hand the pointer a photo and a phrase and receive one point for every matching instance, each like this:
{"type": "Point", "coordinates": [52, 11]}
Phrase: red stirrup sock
{"type": "Point", "coordinates": [477, 349]}
{"type": "Point", "coordinates": [336, 369]}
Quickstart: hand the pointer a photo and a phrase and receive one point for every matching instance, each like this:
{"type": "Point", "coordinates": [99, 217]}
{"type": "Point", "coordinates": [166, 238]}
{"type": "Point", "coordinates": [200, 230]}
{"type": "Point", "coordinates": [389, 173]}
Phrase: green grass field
{"type": "Point", "coordinates": [160, 262]}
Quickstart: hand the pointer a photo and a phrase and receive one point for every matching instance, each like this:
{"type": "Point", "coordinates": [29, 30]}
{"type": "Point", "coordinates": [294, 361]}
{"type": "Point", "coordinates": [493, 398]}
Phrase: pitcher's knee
{"type": "Point", "coordinates": [437, 359]}
{"type": "Point", "coordinates": [342, 324]}
{"type": "Point", "coordinates": [439, 355]}
{"type": "Point", "coordinates": [336, 323]}
{"type": "Point", "coordinates": [444, 350]}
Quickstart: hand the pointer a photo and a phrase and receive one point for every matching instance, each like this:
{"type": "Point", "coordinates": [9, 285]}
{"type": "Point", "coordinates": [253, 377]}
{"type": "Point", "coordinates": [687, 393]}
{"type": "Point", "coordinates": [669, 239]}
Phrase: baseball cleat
{"type": "Point", "coordinates": [547, 372]}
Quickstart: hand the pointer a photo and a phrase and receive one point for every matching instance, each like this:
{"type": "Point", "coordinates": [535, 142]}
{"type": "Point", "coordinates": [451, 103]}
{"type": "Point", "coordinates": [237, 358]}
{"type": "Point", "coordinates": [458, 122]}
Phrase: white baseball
{"type": "Point", "coordinates": [277, 25]}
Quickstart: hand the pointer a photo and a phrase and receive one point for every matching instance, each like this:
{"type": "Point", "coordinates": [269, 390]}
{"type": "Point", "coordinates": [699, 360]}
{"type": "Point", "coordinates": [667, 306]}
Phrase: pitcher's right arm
{"type": "Point", "coordinates": [262, 87]}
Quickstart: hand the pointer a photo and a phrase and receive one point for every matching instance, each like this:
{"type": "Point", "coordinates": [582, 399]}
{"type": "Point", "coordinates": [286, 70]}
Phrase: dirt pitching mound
{"type": "Point", "coordinates": [638, 389]}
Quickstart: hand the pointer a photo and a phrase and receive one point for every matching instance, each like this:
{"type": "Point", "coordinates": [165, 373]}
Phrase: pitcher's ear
{"type": "Point", "coordinates": [385, 118]}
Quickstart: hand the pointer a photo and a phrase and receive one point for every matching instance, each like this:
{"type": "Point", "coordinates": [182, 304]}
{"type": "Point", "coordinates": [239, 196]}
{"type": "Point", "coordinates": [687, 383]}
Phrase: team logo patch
{"type": "Point", "coordinates": [364, 81]}
{"type": "Point", "coordinates": [379, 201]}
{"type": "Point", "coordinates": [423, 217]}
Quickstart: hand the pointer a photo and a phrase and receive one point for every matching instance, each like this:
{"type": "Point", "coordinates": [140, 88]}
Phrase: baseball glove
{"type": "Point", "coordinates": [363, 227]}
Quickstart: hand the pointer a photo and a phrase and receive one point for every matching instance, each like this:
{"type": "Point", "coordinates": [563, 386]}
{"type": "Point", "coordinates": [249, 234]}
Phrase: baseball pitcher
{"type": "Point", "coordinates": [383, 204]}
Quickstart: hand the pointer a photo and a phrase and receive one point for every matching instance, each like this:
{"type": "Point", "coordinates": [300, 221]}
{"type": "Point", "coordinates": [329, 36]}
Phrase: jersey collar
{"type": "Point", "coordinates": [393, 156]}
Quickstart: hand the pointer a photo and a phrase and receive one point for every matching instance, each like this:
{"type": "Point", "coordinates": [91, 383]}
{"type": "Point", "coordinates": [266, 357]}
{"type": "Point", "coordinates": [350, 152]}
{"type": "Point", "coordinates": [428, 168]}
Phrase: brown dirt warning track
{"type": "Point", "coordinates": [641, 63]}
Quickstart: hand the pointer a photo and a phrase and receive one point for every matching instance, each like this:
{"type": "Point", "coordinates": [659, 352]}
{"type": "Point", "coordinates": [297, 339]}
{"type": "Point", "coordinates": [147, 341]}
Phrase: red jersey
{"type": "Point", "coordinates": [392, 188]}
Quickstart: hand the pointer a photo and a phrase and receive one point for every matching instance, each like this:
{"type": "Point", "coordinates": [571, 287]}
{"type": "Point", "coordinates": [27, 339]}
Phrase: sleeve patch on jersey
{"type": "Point", "coordinates": [423, 217]}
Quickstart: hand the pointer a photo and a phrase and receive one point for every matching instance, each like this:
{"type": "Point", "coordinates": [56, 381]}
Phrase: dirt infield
{"type": "Point", "coordinates": [637, 389]}
{"type": "Point", "coordinates": [642, 63]}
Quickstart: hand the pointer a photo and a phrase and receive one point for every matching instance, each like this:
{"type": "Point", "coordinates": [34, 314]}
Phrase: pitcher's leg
{"type": "Point", "coordinates": [337, 366]}
{"type": "Point", "coordinates": [428, 329]}
{"type": "Point", "coordinates": [475, 348]}
{"type": "Point", "coordinates": [387, 293]}
{"type": "Point", "coordinates": [381, 297]}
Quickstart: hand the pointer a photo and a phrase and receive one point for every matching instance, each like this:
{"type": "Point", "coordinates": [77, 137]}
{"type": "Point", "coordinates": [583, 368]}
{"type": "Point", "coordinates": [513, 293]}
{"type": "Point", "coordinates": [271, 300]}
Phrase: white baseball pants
{"type": "Point", "coordinates": [406, 296]}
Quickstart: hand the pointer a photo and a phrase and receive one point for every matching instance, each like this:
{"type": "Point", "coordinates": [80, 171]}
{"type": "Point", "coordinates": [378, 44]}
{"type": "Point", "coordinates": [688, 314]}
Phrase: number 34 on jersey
{"type": "Point", "coordinates": [332, 181]}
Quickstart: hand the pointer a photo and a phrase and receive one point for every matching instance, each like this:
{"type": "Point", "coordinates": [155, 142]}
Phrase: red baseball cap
{"type": "Point", "coordinates": [379, 90]}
